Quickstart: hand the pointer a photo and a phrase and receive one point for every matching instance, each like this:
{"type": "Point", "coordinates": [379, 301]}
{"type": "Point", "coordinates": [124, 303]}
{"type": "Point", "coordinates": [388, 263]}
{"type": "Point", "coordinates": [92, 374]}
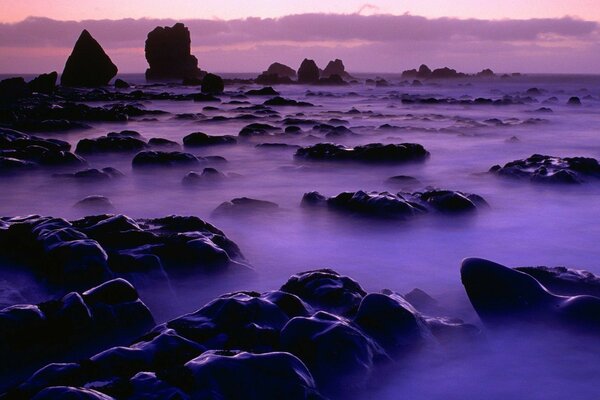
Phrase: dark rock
{"type": "Point", "coordinates": [110, 144]}
{"type": "Point", "coordinates": [280, 101]}
{"type": "Point", "coordinates": [161, 142]}
{"type": "Point", "coordinates": [403, 180]}
{"type": "Point", "coordinates": [12, 89]}
{"type": "Point", "coordinates": [565, 281]}
{"type": "Point", "coordinates": [574, 101]}
{"type": "Point", "coordinates": [308, 72]}
{"type": "Point", "coordinates": [336, 67]}
{"type": "Point", "coordinates": [96, 204]}
{"type": "Point", "coordinates": [266, 91]}
{"type": "Point", "coordinates": [192, 81]}
{"type": "Point", "coordinates": [163, 159]}
{"type": "Point", "coordinates": [281, 70]}
{"type": "Point", "coordinates": [486, 73]}
{"type": "Point", "coordinates": [207, 175]}
{"type": "Point", "coordinates": [424, 72]}
{"type": "Point", "coordinates": [502, 295]}
{"type": "Point", "coordinates": [88, 65]}
{"type": "Point", "coordinates": [245, 205]}
{"type": "Point", "coordinates": [70, 393]}
{"type": "Point", "coordinates": [446, 73]}
{"type": "Point", "coordinates": [93, 175]}
{"type": "Point", "coordinates": [167, 51]}
{"type": "Point", "coordinates": [549, 169]}
{"type": "Point", "coordinates": [332, 80]}
{"type": "Point", "coordinates": [44, 83]}
{"type": "Point", "coordinates": [374, 152]}
{"type": "Point", "coordinates": [200, 139]}
{"type": "Point", "coordinates": [121, 84]}
{"type": "Point", "coordinates": [257, 129]}
{"type": "Point", "coordinates": [212, 84]}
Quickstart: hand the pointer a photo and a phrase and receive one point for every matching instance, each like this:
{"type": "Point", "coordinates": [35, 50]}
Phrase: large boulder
{"type": "Point", "coordinates": [336, 67]}
{"type": "Point", "coordinates": [88, 65]}
{"type": "Point", "coordinates": [373, 152]}
{"type": "Point", "coordinates": [168, 52]}
{"type": "Point", "coordinates": [281, 70]}
{"type": "Point", "coordinates": [12, 89]}
{"type": "Point", "coordinates": [212, 84]}
{"type": "Point", "coordinates": [44, 83]}
{"type": "Point", "coordinates": [549, 169]}
{"type": "Point", "coordinates": [308, 72]}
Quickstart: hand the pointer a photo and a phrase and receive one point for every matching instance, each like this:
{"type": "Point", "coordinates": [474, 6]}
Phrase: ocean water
{"type": "Point", "coordinates": [526, 224]}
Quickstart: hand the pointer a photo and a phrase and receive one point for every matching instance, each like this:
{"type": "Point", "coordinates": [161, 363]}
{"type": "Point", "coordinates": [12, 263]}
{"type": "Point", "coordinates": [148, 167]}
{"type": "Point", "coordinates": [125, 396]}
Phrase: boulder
{"type": "Point", "coordinates": [281, 70]}
{"type": "Point", "coordinates": [168, 54]}
{"type": "Point", "coordinates": [163, 159]}
{"type": "Point", "coordinates": [212, 84]}
{"type": "Point", "coordinates": [12, 89]}
{"type": "Point", "coordinates": [308, 72]}
{"type": "Point", "coordinates": [110, 144]}
{"type": "Point", "coordinates": [201, 139]}
{"type": "Point", "coordinates": [242, 205]}
{"type": "Point", "coordinates": [121, 84]}
{"type": "Point", "coordinates": [373, 153]}
{"type": "Point", "coordinates": [540, 168]}
{"type": "Point", "coordinates": [336, 67]}
{"type": "Point", "coordinates": [44, 83]}
{"type": "Point", "coordinates": [88, 65]}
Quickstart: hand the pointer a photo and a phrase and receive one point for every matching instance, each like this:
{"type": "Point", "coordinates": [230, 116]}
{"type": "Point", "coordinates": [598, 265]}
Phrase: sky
{"type": "Point", "coordinates": [375, 36]}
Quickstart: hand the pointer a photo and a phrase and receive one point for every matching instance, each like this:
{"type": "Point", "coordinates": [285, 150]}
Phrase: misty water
{"type": "Point", "coordinates": [526, 224]}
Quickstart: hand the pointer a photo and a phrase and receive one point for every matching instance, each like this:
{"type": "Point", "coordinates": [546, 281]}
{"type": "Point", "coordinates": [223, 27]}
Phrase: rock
{"type": "Point", "coordinates": [281, 70]}
{"type": "Point", "coordinates": [404, 180]}
{"type": "Point", "coordinates": [121, 84]}
{"type": "Point", "coordinates": [167, 51]}
{"type": "Point", "coordinates": [12, 89]}
{"type": "Point", "coordinates": [161, 142]}
{"type": "Point", "coordinates": [207, 175]}
{"type": "Point", "coordinates": [401, 205]}
{"type": "Point", "coordinates": [70, 393]}
{"type": "Point", "coordinates": [332, 80]}
{"type": "Point", "coordinates": [265, 91]}
{"type": "Point", "coordinates": [280, 101]}
{"type": "Point", "coordinates": [502, 296]}
{"type": "Point", "coordinates": [336, 67]}
{"type": "Point", "coordinates": [486, 73]}
{"type": "Point", "coordinates": [88, 65]}
{"type": "Point", "coordinates": [565, 281]}
{"type": "Point", "coordinates": [257, 129]}
{"type": "Point", "coordinates": [272, 79]}
{"type": "Point", "coordinates": [374, 153]}
{"type": "Point", "coordinates": [308, 72]}
{"type": "Point", "coordinates": [201, 97]}
{"type": "Point", "coordinates": [110, 144]}
{"type": "Point", "coordinates": [549, 169]}
{"type": "Point", "coordinates": [44, 83]}
{"type": "Point", "coordinates": [93, 175]}
{"type": "Point", "coordinates": [212, 84]}
{"type": "Point", "coordinates": [200, 139]}
{"type": "Point", "coordinates": [96, 204]}
{"type": "Point", "coordinates": [424, 72]}
{"type": "Point", "coordinates": [192, 81]}
{"type": "Point", "coordinates": [574, 101]}
{"type": "Point", "coordinates": [446, 73]}
{"type": "Point", "coordinates": [163, 159]}
{"type": "Point", "coordinates": [245, 205]}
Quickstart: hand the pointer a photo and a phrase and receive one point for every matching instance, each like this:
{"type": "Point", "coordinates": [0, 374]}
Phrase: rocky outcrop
{"type": "Point", "coordinates": [549, 169]}
{"type": "Point", "coordinates": [503, 296]}
{"type": "Point", "coordinates": [168, 54]}
{"type": "Point", "coordinates": [212, 84]}
{"type": "Point", "coordinates": [44, 83]}
{"type": "Point", "coordinates": [321, 332]}
{"type": "Point", "coordinates": [88, 65]}
{"type": "Point", "coordinates": [76, 324]}
{"type": "Point", "coordinates": [335, 67]}
{"type": "Point", "coordinates": [276, 74]}
{"type": "Point", "coordinates": [373, 153]}
{"type": "Point", "coordinates": [164, 159]}
{"type": "Point", "coordinates": [201, 139]}
{"type": "Point", "coordinates": [308, 72]}
{"type": "Point", "coordinates": [400, 205]}
{"type": "Point", "coordinates": [13, 89]}
{"type": "Point", "coordinates": [281, 70]}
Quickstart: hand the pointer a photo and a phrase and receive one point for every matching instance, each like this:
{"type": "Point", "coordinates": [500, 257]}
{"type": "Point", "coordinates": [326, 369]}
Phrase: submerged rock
{"type": "Point", "coordinates": [95, 204]}
{"type": "Point", "coordinates": [400, 205]}
{"type": "Point", "coordinates": [168, 52]}
{"type": "Point", "coordinates": [550, 169]}
{"type": "Point", "coordinates": [88, 65]}
{"type": "Point", "coordinates": [320, 333]}
{"type": "Point", "coordinates": [245, 205]}
{"type": "Point", "coordinates": [109, 144]}
{"type": "Point", "coordinates": [502, 296]}
{"type": "Point", "coordinates": [374, 152]}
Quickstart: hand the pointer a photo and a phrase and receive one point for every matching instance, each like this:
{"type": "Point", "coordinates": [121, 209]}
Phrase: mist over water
{"type": "Point", "coordinates": [526, 224]}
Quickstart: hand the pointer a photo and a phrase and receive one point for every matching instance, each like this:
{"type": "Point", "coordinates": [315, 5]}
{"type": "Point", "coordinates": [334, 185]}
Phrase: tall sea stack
{"type": "Point", "coordinates": [88, 65]}
{"type": "Point", "coordinates": [168, 54]}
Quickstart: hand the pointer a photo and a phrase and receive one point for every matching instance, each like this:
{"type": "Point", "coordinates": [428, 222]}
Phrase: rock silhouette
{"type": "Point", "coordinates": [308, 72]}
{"type": "Point", "coordinates": [281, 70]}
{"type": "Point", "coordinates": [336, 67]}
{"type": "Point", "coordinates": [212, 84]}
{"type": "Point", "coordinates": [44, 83]}
{"type": "Point", "coordinates": [88, 65]}
{"type": "Point", "coordinates": [168, 54]}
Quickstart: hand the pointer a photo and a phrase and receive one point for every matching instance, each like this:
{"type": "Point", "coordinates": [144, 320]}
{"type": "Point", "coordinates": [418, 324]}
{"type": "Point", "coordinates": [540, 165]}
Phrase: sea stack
{"type": "Point", "coordinates": [308, 72]}
{"type": "Point", "coordinates": [168, 54]}
{"type": "Point", "coordinates": [88, 65]}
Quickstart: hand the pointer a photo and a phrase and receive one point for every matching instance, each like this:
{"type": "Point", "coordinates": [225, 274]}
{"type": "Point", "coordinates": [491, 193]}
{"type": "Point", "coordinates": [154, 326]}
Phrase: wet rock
{"type": "Point", "coordinates": [242, 205]}
{"type": "Point", "coordinates": [308, 72]}
{"type": "Point", "coordinates": [12, 89]}
{"type": "Point", "coordinates": [70, 393]}
{"type": "Point", "coordinates": [502, 296]}
{"type": "Point", "coordinates": [257, 129]}
{"type": "Point", "coordinates": [280, 101]}
{"type": "Point", "coordinates": [574, 101]}
{"type": "Point", "coordinates": [276, 146]}
{"type": "Point", "coordinates": [404, 180]}
{"type": "Point", "coordinates": [266, 91]}
{"type": "Point", "coordinates": [168, 54]}
{"type": "Point", "coordinates": [121, 84]}
{"type": "Point", "coordinates": [212, 84]}
{"type": "Point", "coordinates": [200, 139]}
{"type": "Point", "coordinates": [565, 281]}
{"type": "Point", "coordinates": [75, 324]}
{"type": "Point", "coordinates": [44, 83]}
{"type": "Point", "coordinates": [336, 67]}
{"type": "Point", "coordinates": [205, 97]}
{"type": "Point", "coordinates": [110, 144]}
{"type": "Point", "coordinates": [88, 65]}
{"type": "Point", "coordinates": [161, 142]}
{"type": "Point", "coordinates": [281, 70]}
{"type": "Point", "coordinates": [446, 73]}
{"type": "Point", "coordinates": [93, 175]}
{"type": "Point", "coordinates": [96, 204]}
{"type": "Point", "coordinates": [549, 169]}
{"type": "Point", "coordinates": [163, 159]}
{"type": "Point", "coordinates": [374, 152]}
{"type": "Point", "coordinates": [207, 175]}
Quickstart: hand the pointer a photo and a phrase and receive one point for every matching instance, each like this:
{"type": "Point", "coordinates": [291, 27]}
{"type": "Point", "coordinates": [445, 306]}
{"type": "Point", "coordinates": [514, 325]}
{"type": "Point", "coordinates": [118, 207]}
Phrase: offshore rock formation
{"type": "Point", "coordinates": [548, 169]}
{"type": "Point", "coordinates": [44, 83]}
{"type": "Point", "coordinates": [321, 331]}
{"type": "Point", "coordinates": [335, 67]}
{"type": "Point", "coordinates": [77, 323]}
{"type": "Point", "coordinates": [400, 205]}
{"type": "Point", "coordinates": [277, 73]}
{"type": "Point", "coordinates": [88, 65]}
{"type": "Point", "coordinates": [308, 72]}
{"type": "Point", "coordinates": [425, 72]}
{"type": "Point", "coordinates": [212, 84]}
{"type": "Point", "coordinates": [168, 54]}
{"type": "Point", "coordinates": [94, 249]}
{"type": "Point", "coordinates": [373, 153]}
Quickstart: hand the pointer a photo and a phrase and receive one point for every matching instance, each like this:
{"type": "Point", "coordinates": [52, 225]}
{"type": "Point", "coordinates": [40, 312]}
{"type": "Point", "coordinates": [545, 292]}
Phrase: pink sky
{"type": "Point", "coordinates": [380, 36]}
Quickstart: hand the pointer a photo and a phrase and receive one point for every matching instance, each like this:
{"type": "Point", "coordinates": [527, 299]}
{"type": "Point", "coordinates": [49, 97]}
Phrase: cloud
{"type": "Point", "coordinates": [355, 35]}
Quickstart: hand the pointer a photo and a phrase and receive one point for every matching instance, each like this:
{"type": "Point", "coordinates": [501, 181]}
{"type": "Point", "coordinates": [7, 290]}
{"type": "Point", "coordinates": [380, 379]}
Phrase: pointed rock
{"type": "Point", "coordinates": [88, 65]}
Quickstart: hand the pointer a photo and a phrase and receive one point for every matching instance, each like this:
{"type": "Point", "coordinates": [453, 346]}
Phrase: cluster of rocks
{"type": "Point", "coordinates": [373, 152]}
{"type": "Point", "coordinates": [424, 72]}
{"type": "Point", "coordinates": [400, 205]}
{"type": "Point", "coordinates": [126, 141]}
{"type": "Point", "coordinates": [12, 89]}
{"type": "Point", "coordinates": [548, 169]}
{"type": "Point", "coordinates": [320, 331]}
{"type": "Point", "coordinates": [308, 73]}
{"type": "Point", "coordinates": [428, 100]}
{"type": "Point", "coordinates": [19, 151]}
{"type": "Point", "coordinates": [76, 324]}
{"type": "Point", "coordinates": [94, 249]}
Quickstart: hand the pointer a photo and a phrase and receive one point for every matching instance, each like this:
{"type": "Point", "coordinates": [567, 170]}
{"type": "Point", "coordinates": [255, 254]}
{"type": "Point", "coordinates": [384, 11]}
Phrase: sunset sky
{"type": "Point", "coordinates": [379, 36]}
